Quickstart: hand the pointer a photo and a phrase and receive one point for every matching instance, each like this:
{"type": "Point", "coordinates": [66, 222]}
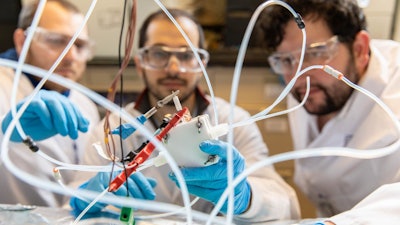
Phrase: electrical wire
{"type": "Point", "coordinates": [189, 219]}
{"type": "Point", "coordinates": [59, 188]}
{"type": "Point", "coordinates": [113, 87]}
{"type": "Point", "coordinates": [116, 200]}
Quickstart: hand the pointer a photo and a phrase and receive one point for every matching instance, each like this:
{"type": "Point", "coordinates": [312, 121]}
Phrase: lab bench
{"type": "Point", "coordinates": [36, 215]}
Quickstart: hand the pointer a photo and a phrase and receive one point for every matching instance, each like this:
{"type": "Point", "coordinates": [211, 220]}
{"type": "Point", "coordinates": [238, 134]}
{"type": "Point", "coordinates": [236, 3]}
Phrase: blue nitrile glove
{"type": "Point", "coordinates": [49, 113]}
{"type": "Point", "coordinates": [139, 187]}
{"type": "Point", "coordinates": [125, 130]}
{"type": "Point", "coordinates": [211, 181]}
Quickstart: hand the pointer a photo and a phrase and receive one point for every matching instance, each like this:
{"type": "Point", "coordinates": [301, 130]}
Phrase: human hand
{"type": "Point", "coordinates": [211, 181]}
{"type": "Point", "coordinates": [48, 114]}
{"type": "Point", "coordinates": [138, 185]}
{"type": "Point", "coordinates": [125, 130]}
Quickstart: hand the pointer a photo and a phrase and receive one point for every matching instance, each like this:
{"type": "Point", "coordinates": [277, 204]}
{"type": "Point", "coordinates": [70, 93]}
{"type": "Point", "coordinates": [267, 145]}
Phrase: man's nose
{"type": "Point", "coordinates": [174, 65]}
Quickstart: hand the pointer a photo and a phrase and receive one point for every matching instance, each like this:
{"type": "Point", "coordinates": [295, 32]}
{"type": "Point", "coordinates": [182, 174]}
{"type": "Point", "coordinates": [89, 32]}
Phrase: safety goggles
{"type": "Point", "coordinates": [158, 58]}
{"type": "Point", "coordinates": [315, 54]}
{"type": "Point", "coordinates": [57, 42]}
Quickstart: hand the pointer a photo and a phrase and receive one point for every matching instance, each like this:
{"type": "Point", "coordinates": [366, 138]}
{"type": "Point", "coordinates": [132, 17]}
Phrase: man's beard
{"type": "Point", "coordinates": [331, 103]}
{"type": "Point", "coordinates": [335, 98]}
{"type": "Point", "coordinates": [182, 96]}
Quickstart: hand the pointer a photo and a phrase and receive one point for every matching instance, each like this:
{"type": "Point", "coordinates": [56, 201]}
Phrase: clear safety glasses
{"type": "Point", "coordinates": [315, 54]}
{"type": "Point", "coordinates": [158, 58]}
{"type": "Point", "coordinates": [57, 42]}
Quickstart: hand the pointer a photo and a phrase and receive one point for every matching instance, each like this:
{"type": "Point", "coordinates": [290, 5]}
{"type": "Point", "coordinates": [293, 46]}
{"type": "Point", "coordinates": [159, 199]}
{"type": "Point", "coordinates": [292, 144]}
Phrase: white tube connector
{"type": "Point", "coordinates": [177, 103]}
{"type": "Point", "coordinates": [219, 130]}
{"type": "Point", "coordinates": [328, 69]}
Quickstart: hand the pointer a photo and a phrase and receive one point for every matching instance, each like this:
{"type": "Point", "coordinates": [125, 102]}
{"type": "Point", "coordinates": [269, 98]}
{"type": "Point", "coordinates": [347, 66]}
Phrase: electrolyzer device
{"type": "Point", "coordinates": [182, 142]}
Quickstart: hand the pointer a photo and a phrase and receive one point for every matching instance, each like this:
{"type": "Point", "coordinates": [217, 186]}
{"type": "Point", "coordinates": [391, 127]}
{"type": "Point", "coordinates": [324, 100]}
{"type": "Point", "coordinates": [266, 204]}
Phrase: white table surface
{"type": "Point", "coordinates": [22, 215]}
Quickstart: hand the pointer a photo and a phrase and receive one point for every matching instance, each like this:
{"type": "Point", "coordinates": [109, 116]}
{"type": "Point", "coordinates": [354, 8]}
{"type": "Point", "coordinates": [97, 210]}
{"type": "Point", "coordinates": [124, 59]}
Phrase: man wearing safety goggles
{"type": "Point", "coordinates": [55, 109]}
{"type": "Point", "coordinates": [334, 115]}
{"type": "Point", "coordinates": [167, 63]}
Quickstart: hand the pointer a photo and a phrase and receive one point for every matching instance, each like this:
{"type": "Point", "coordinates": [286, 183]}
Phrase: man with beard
{"type": "Point", "coordinates": [166, 63]}
{"type": "Point", "coordinates": [335, 115]}
{"type": "Point", "coordinates": [55, 109]}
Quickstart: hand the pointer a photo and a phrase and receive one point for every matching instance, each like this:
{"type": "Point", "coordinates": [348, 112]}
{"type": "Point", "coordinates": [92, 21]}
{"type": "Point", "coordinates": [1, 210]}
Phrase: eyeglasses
{"type": "Point", "coordinates": [57, 42]}
{"type": "Point", "coordinates": [158, 57]}
{"type": "Point", "coordinates": [315, 54]}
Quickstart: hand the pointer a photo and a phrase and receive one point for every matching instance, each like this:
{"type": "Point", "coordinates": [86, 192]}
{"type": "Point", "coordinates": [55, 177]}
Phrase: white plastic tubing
{"type": "Point", "coordinates": [328, 151]}
{"type": "Point", "coordinates": [160, 206]}
{"type": "Point", "coordinates": [234, 90]}
{"type": "Point", "coordinates": [55, 187]}
{"type": "Point", "coordinates": [97, 98]}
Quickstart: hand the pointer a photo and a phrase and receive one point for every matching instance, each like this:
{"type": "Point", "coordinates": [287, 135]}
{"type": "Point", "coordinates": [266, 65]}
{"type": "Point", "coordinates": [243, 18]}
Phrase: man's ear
{"type": "Point", "coordinates": [361, 51]}
{"type": "Point", "coordinates": [19, 39]}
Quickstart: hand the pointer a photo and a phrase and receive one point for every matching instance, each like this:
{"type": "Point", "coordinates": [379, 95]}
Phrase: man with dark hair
{"type": "Point", "coordinates": [335, 115]}
{"type": "Point", "coordinates": [166, 64]}
{"type": "Point", "coordinates": [55, 109]}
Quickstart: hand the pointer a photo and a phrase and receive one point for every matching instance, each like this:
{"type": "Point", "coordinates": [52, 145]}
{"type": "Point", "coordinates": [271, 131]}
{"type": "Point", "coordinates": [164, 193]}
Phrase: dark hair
{"type": "Point", "coordinates": [343, 17]}
{"type": "Point", "coordinates": [176, 13]}
{"type": "Point", "coordinates": [28, 12]}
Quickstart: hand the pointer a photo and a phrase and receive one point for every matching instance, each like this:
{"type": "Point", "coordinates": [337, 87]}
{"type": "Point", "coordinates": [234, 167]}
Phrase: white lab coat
{"type": "Point", "coordinates": [336, 184]}
{"type": "Point", "coordinates": [381, 207]}
{"type": "Point", "coordinates": [272, 198]}
{"type": "Point", "coordinates": [64, 149]}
